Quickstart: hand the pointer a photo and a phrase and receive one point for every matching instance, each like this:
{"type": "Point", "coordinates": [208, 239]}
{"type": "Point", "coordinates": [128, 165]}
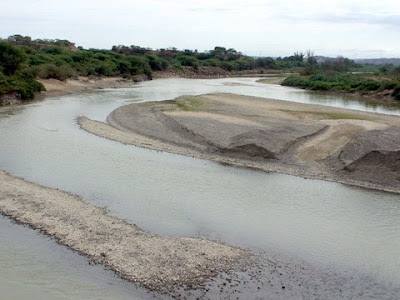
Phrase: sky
{"type": "Point", "coordinates": [351, 28]}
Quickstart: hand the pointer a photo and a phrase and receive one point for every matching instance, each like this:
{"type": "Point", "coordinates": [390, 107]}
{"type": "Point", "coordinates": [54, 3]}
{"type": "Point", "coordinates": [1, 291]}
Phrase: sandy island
{"type": "Point", "coordinates": [312, 141]}
{"type": "Point", "coordinates": [156, 262]}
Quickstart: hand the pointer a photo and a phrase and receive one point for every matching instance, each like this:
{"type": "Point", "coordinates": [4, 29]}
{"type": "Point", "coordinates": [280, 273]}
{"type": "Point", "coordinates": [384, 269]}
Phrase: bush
{"type": "Point", "coordinates": [396, 92]}
{"type": "Point", "coordinates": [11, 58]}
{"type": "Point", "coordinates": [156, 63]}
{"type": "Point", "coordinates": [48, 71]}
{"type": "Point", "coordinates": [334, 81]}
{"type": "Point", "coordinates": [24, 84]}
{"type": "Point", "coordinates": [212, 62]}
{"type": "Point", "coordinates": [105, 69]}
{"type": "Point", "coordinates": [188, 61]}
{"type": "Point", "coordinates": [369, 85]}
{"type": "Point", "coordinates": [296, 81]}
{"type": "Point", "coordinates": [53, 50]}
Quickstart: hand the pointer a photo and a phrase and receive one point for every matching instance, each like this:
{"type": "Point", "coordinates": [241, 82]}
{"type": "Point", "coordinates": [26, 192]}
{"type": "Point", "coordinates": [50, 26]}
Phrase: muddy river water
{"type": "Point", "coordinates": [329, 224]}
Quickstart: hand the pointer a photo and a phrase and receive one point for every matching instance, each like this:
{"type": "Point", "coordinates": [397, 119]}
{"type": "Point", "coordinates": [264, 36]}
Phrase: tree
{"type": "Point", "coordinates": [11, 58]}
{"type": "Point", "coordinates": [18, 39]}
{"type": "Point", "coordinates": [311, 63]}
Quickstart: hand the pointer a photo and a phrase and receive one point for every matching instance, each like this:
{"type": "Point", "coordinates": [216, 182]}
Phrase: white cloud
{"type": "Point", "coordinates": [266, 26]}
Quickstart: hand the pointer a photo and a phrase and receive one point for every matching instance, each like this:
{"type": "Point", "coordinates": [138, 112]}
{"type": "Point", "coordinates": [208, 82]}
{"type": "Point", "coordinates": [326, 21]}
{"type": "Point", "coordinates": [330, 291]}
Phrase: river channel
{"type": "Point", "coordinates": [325, 223]}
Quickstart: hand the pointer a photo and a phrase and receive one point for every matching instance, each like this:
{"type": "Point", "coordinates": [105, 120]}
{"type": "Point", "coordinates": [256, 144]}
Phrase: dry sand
{"type": "Point", "coordinates": [270, 135]}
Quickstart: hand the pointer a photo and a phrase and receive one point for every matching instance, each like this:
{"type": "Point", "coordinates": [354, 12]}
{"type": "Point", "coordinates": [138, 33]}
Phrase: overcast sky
{"type": "Point", "coordinates": [351, 28]}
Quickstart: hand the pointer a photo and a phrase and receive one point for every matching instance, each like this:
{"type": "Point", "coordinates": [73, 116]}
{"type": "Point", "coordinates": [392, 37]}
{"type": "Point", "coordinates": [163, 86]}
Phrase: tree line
{"type": "Point", "coordinates": [23, 59]}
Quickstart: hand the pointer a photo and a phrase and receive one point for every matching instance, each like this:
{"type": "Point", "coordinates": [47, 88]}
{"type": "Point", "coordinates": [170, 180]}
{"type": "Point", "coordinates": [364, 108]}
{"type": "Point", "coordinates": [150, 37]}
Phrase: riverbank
{"type": "Point", "coordinates": [310, 141]}
{"type": "Point", "coordinates": [56, 88]}
{"type": "Point", "coordinates": [156, 262]}
{"type": "Point", "coordinates": [178, 267]}
{"type": "Point", "coordinates": [372, 89]}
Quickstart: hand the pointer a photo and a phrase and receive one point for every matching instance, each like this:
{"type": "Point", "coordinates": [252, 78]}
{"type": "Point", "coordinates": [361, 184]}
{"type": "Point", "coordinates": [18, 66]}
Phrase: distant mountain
{"type": "Point", "coordinates": [379, 61]}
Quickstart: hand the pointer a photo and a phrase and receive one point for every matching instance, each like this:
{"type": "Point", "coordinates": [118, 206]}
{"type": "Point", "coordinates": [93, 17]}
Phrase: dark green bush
{"type": "Point", "coordinates": [211, 62]}
{"type": "Point", "coordinates": [62, 72]}
{"type": "Point", "coordinates": [188, 61]}
{"type": "Point", "coordinates": [11, 58]}
{"type": "Point", "coordinates": [53, 50]}
{"type": "Point", "coordinates": [105, 69]}
{"type": "Point", "coordinates": [156, 63]}
{"type": "Point", "coordinates": [396, 92]}
{"type": "Point", "coordinates": [336, 82]}
{"type": "Point", "coordinates": [23, 84]}
{"type": "Point", "coordinates": [369, 85]}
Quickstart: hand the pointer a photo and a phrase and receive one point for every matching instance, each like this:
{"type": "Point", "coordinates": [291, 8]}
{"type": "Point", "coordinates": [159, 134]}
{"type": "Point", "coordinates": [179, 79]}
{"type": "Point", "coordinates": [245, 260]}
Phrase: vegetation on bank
{"type": "Point", "coordinates": [343, 75]}
{"type": "Point", "coordinates": [23, 60]}
{"type": "Point", "coordinates": [14, 77]}
{"type": "Point", "coordinates": [346, 83]}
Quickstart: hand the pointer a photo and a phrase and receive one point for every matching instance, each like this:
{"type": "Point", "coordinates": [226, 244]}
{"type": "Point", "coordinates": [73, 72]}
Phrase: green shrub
{"type": "Point", "coordinates": [296, 81]}
{"type": "Point", "coordinates": [396, 92]}
{"type": "Point", "coordinates": [53, 50]}
{"type": "Point", "coordinates": [388, 85]}
{"type": "Point", "coordinates": [334, 81]}
{"type": "Point", "coordinates": [62, 72]}
{"type": "Point", "coordinates": [188, 61]}
{"type": "Point", "coordinates": [369, 85]}
{"type": "Point", "coordinates": [105, 69]}
{"type": "Point", "coordinates": [11, 58]}
{"type": "Point", "coordinates": [212, 62]}
{"type": "Point", "coordinates": [156, 63]}
{"type": "Point", "coordinates": [23, 84]}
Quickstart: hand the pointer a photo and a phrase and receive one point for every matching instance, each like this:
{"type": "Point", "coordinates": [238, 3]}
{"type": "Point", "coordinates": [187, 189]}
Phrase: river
{"type": "Point", "coordinates": [325, 223]}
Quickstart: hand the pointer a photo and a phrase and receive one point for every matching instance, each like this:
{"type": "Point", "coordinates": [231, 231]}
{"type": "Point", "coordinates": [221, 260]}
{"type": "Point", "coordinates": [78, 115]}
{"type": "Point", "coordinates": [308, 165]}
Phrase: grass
{"type": "Point", "coordinates": [328, 115]}
{"type": "Point", "coordinates": [191, 104]}
{"type": "Point", "coordinates": [272, 80]}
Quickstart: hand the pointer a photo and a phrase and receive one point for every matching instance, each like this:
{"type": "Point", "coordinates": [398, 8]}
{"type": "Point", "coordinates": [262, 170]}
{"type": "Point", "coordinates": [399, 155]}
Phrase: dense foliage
{"type": "Point", "coordinates": [338, 75]}
{"type": "Point", "coordinates": [335, 81]}
{"type": "Point", "coordinates": [60, 59]}
{"type": "Point", "coordinates": [23, 59]}
{"type": "Point", "coordinates": [13, 75]}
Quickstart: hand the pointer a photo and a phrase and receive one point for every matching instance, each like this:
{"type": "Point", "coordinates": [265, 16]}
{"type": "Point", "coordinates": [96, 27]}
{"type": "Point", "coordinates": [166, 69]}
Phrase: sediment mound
{"type": "Point", "coordinates": [365, 142]}
{"type": "Point", "coordinates": [374, 156]}
{"type": "Point", "coordinates": [376, 161]}
{"type": "Point", "coordinates": [230, 135]}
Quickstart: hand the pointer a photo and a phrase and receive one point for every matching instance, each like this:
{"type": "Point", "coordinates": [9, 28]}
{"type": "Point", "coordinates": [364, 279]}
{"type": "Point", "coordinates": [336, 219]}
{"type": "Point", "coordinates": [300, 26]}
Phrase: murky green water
{"type": "Point", "coordinates": [322, 222]}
